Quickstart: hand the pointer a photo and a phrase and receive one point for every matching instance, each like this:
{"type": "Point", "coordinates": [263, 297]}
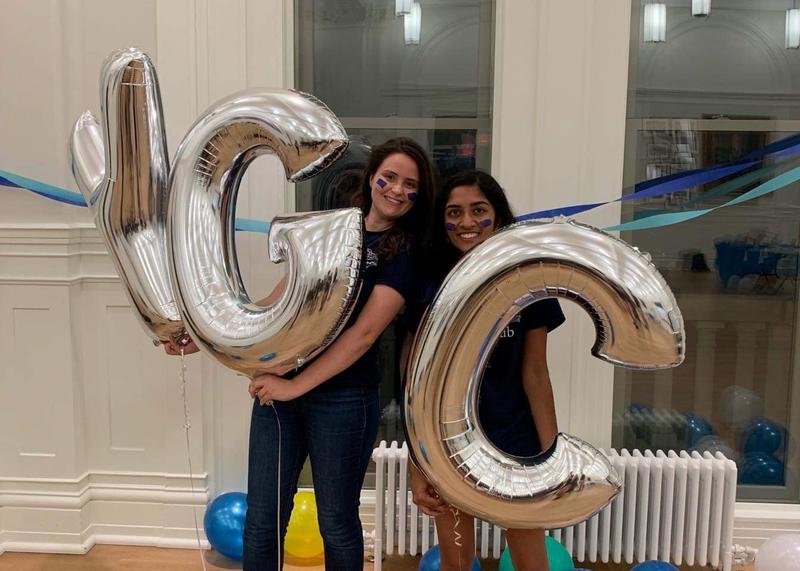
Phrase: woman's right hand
{"type": "Point", "coordinates": [424, 495]}
{"type": "Point", "coordinates": [172, 348]}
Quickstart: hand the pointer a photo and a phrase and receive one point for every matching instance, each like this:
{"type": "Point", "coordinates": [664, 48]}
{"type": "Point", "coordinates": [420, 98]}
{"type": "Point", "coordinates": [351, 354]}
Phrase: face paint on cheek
{"type": "Point", "coordinates": [381, 183]}
{"type": "Point", "coordinates": [485, 223]}
{"type": "Point", "coordinates": [450, 226]}
{"type": "Point", "coordinates": [412, 196]}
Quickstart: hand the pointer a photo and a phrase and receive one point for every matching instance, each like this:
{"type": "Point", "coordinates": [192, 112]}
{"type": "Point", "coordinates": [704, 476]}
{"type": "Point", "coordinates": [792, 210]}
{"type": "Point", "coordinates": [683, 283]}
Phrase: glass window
{"type": "Point", "coordinates": [384, 78]}
{"type": "Point", "coordinates": [719, 90]}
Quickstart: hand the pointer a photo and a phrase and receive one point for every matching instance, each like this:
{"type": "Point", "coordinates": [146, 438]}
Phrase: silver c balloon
{"type": "Point", "coordinates": [638, 325]}
{"type": "Point", "coordinates": [122, 170]}
{"type": "Point", "coordinates": [323, 250]}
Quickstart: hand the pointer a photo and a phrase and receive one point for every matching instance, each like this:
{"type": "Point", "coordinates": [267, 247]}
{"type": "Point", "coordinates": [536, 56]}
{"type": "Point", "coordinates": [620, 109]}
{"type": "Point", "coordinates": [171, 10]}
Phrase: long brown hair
{"type": "Point", "coordinates": [414, 226]}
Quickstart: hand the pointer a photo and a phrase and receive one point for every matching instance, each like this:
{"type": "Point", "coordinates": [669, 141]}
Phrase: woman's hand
{"type": "Point", "coordinates": [269, 387]}
{"type": "Point", "coordinates": [425, 496]}
{"type": "Point", "coordinates": [172, 348]}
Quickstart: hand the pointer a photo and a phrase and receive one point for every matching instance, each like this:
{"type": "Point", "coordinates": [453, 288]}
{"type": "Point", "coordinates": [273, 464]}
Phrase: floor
{"type": "Point", "coordinates": [124, 558]}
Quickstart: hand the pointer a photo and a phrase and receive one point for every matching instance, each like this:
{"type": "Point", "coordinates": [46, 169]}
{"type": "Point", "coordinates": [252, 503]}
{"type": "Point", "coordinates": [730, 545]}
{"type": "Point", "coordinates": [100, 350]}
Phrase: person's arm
{"type": "Point", "coordinates": [277, 291]}
{"type": "Point", "coordinates": [383, 305]}
{"type": "Point", "coordinates": [538, 389]}
{"type": "Point", "coordinates": [172, 348]}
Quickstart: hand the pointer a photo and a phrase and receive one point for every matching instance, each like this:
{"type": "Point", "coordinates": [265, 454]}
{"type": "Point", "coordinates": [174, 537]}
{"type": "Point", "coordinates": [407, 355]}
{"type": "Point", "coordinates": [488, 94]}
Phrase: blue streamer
{"type": "Point", "coordinates": [250, 225]}
{"type": "Point", "coordinates": [564, 211]}
{"type": "Point", "coordinates": [670, 218]}
{"type": "Point", "coordinates": [688, 180]}
{"type": "Point", "coordinates": [787, 144]}
{"type": "Point", "coordinates": [43, 189]}
{"type": "Point", "coordinates": [648, 189]}
{"type": "Point", "coordinates": [76, 199]}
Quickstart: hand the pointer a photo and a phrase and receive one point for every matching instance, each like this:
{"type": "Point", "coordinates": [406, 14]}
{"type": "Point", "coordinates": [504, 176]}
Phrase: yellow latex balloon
{"type": "Point", "coordinates": [303, 540]}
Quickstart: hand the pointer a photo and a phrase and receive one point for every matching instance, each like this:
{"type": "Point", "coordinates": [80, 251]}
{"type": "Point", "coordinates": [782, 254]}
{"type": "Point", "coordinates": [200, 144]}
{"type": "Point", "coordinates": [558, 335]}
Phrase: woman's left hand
{"type": "Point", "coordinates": [269, 387]}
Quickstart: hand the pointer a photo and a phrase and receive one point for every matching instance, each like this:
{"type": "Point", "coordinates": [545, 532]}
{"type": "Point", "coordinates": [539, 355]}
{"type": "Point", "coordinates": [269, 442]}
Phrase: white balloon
{"type": "Point", "coordinates": [714, 444]}
{"type": "Point", "coordinates": [738, 406]}
{"type": "Point", "coordinates": [781, 553]}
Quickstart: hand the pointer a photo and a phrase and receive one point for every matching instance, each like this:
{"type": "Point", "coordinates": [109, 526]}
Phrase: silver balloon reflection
{"type": "Point", "coordinates": [638, 325]}
{"type": "Point", "coordinates": [323, 250]}
{"type": "Point", "coordinates": [122, 170]}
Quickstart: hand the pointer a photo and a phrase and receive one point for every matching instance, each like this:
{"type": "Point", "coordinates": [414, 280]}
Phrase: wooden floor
{"type": "Point", "coordinates": [113, 557]}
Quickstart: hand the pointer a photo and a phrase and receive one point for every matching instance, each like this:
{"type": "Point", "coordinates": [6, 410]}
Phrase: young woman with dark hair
{"type": "Point", "coordinates": [328, 410]}
{"type": "Point", "coordinates": [516, 408]}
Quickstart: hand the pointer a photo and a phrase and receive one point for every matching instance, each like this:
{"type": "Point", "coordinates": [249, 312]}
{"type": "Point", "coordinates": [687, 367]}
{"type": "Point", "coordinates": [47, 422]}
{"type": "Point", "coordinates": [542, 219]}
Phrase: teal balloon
{"type": "Point", "coordinates": [224, 524]}
{"type": "Point", "coordinates": [557, 556]}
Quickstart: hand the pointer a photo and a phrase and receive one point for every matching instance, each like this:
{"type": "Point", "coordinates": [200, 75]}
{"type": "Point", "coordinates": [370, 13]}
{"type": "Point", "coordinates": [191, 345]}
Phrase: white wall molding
{"type": "Point", "coordinates": [54, 255]}
{"type": "Point", "coordinates": [757, 522]}
{"type": "Point", "coordinates": [129, 508]}
{"type": "Point", "coordinates": [72, 493]}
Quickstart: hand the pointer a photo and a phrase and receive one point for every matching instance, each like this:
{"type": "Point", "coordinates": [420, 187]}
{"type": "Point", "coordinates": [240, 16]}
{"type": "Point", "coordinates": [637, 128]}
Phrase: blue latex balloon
{"type": "Point", "coordinates": [761, 469]}
{"type": "Point", "coordinates": [224, 524]}
{"type": "Point", "coordinates": [655, 566]}
{"type": "Point", "coordinates": [696, 428]}
{"type": "Point", "coordinates": [432, 561]}
{"type": "Point", "coordinates": [763, 436]}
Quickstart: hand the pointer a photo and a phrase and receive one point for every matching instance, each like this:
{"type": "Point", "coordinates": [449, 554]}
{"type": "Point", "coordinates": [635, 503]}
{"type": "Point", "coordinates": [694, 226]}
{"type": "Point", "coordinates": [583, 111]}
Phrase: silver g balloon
{"type": "Point", "coordinates": [122, 169]}
{"type": "Point", "coordinates": [638, 325]}
{"type": "Point", "coordinates": [322, 250]}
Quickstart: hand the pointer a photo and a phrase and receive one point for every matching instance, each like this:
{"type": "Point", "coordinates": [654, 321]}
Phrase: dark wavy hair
{"type": "Point", "coordinates": [412, 229]}
{"type": "Point", "coordinates": [445, 254]}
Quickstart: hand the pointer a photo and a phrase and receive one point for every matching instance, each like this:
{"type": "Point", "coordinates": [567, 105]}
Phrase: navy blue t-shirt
{"type": "Point", "coordinates": [503, 407]}
{"type": "Point", "coordinates": [396, 273]}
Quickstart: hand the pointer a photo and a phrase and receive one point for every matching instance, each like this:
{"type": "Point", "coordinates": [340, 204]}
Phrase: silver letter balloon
{"type": "Point", "coordinates": [638, 325]}
{"type": "Point", "coordinates": [122, 170]}
{"type": "Point", "coordinates": [171, 234]}
{"type": "Point", "coordinates": [322, 250]}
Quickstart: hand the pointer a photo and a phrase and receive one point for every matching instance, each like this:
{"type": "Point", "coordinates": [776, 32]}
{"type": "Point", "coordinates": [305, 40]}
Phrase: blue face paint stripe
{"type": "Point", "coordinates": [412, 196]}
{"type": "Point", "coordinates": [381, 183]}
{"type": "Point", "coordinates": [485, 223]}
{"type": "Point", "coordinates": [450, 226]}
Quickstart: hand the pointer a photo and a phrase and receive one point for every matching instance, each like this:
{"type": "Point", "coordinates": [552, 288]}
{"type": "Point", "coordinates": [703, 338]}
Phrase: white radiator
{"type": "Point", "coordinates": [674, 506]}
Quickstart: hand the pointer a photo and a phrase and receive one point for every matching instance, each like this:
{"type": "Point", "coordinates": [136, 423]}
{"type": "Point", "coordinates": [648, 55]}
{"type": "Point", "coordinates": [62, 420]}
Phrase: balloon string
{"type": "Point", "coordinates": [187, 424]}
{"type": "Point", "coordinates": [457, 534]}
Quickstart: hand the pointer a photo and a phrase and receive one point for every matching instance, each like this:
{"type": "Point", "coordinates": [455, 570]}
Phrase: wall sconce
{"type": "Point", "coordinates": [701, 7]}
{"type": "Point", "coordinates": [402, 7]}
{"type": "Point", "coordinates": [413, 24]}
{"type": "Point", "coordinates": [793, 28]}
{"type": "Point", "coordinates": [655, 23]}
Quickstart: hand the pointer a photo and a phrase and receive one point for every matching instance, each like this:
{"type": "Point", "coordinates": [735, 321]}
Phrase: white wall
{"type": "Point", "coordinates": [92, 446]}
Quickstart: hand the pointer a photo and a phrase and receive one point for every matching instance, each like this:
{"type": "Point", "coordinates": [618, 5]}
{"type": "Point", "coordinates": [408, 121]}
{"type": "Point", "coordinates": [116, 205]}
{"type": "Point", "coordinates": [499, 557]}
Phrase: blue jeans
{"type": "Point", "coordinates": [336, 429]}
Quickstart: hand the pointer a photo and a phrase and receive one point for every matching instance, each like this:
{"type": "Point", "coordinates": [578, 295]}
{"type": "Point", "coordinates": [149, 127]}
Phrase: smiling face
{"type": "Point", "coordinates": [469, 217]}
{"type": "Point", "coordinates": [394, 186]}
